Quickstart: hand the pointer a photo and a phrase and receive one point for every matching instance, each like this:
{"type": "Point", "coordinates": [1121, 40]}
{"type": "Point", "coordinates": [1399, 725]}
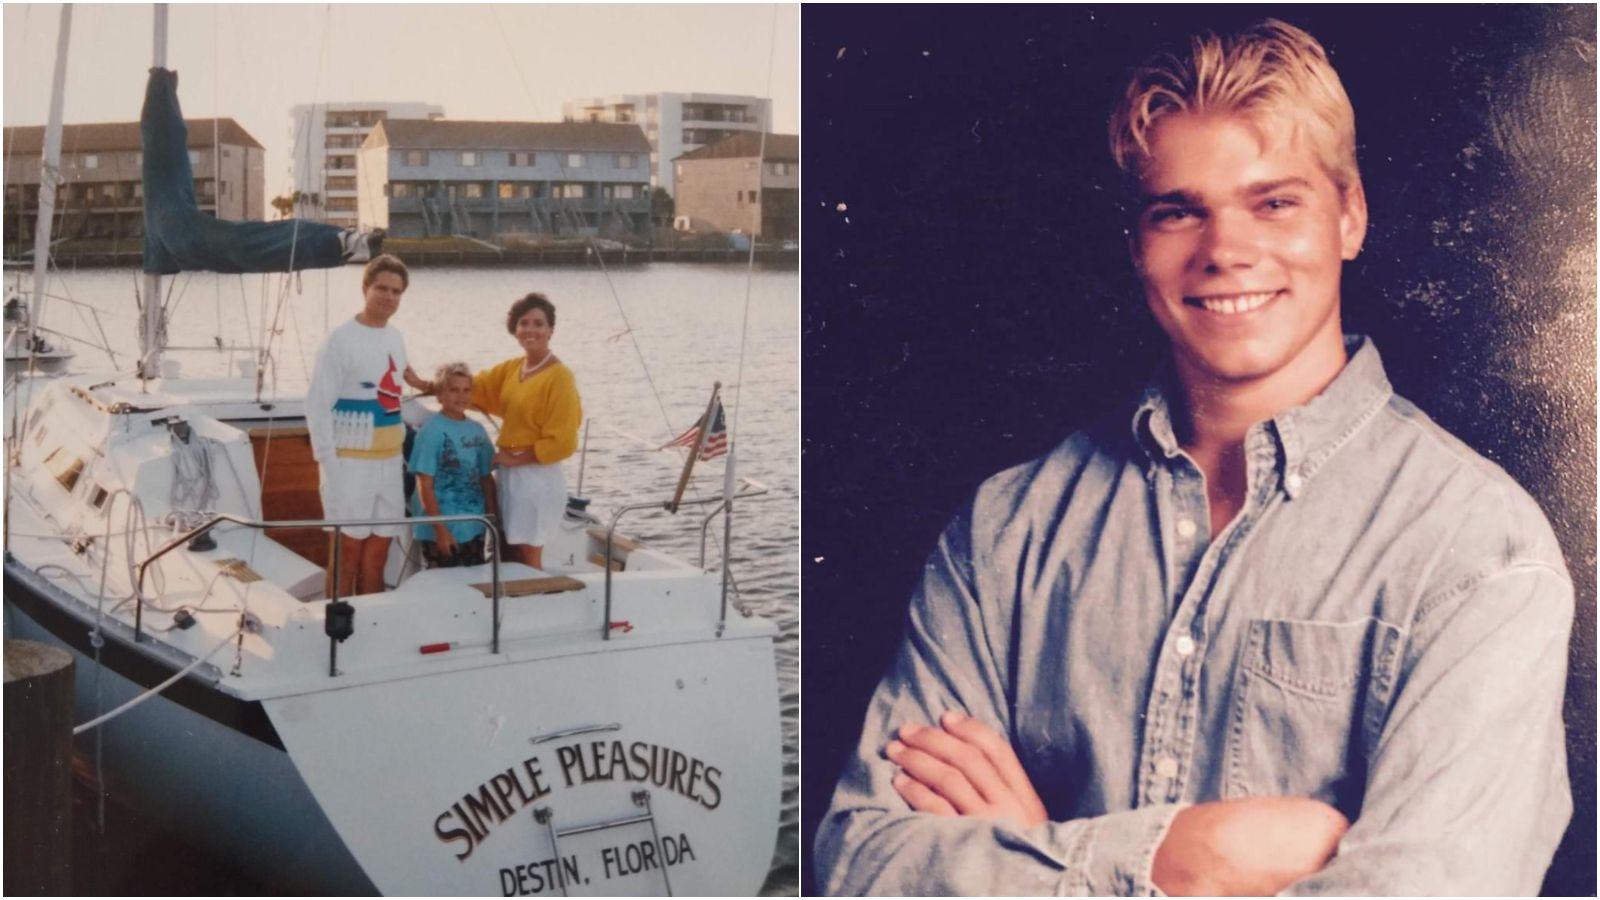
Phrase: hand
{"type": "Point", "coordinates": [444, 542]}
{"type": "Point", "coordinates": [963, 769]}
{"type": "Point", "coordinates": [508, 458]}
{"type": "Point", "coordinates": [1253, 846]}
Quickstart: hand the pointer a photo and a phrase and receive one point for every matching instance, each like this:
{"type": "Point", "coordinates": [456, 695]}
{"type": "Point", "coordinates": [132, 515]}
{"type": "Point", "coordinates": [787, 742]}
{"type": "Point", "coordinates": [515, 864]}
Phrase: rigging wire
{"type": "Point", "coordinates": [268, 336]}
{"type": "Point", "coordinates": [593, 249]}
{"type": "Point", "coordinates": [750, 265]}
{"type": "Point", "coordinates": [11, 139]}
{"type": "Point", "coordinates": [98, 641]}
{"type": "Point", "coordinates": [318, 88]}
{"type": "Point", "coordinates": [79, 305]}
{"type": "Point", "coordinates": [299, 343]}
{"type": "Point", "coordinates": [216, 108]}
{"type": "Point", "coordinates": [244, 306]}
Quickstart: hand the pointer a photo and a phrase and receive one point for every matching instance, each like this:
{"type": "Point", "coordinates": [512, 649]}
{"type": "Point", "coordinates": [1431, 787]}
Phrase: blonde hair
{"type": "Point", "coordinates": [443, 374]}
{"type": "Point", "coordinates": [1271, 69]}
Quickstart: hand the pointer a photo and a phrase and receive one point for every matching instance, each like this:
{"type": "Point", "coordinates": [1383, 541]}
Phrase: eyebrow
{"type": "Point", "coordinates": [1175, 198]}
{"type": "Point", "coordinates": [1267, 187]}
{"type": "Point", "coordinates": [1188, 198]}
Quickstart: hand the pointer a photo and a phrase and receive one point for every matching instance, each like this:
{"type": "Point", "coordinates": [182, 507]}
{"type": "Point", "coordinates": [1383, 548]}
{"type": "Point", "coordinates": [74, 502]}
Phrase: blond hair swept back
{"type": "Point", "coordinates": [443, 374]}
{"type": "Point", "coordinates": [1271, 69]}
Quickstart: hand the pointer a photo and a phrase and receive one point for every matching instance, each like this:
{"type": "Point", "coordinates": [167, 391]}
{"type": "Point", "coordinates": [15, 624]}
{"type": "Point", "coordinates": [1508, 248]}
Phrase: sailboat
{"type": "Point", "coordinates": [602, 725]}
{"type": "Point", "coordinates": [26, 346]}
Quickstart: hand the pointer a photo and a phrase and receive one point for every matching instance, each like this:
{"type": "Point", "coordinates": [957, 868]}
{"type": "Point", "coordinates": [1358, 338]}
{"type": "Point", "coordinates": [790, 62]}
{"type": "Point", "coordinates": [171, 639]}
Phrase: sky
{"type": "Point", "coordinates": [252, 62]}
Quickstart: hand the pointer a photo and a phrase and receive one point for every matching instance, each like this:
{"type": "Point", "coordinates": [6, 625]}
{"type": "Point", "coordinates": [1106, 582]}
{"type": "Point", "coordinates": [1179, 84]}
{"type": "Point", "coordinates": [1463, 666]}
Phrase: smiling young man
{"type": "Point", "coordinates": [1266, 629]}
{"type": "Point", "coordinates": [353, 415]}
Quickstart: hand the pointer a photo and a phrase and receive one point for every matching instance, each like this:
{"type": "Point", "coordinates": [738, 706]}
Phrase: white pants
{"type": "Point", "coordinates": [365, 489]}
{"type": "Point", "coordinates": [533, 498]}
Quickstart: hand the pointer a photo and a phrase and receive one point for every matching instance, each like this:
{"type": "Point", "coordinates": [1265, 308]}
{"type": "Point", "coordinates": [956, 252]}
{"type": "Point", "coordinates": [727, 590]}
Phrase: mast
{"type": "Point", "coordinates": [49, 177]}
{"type": "Point", "coordinates": [150, 327]}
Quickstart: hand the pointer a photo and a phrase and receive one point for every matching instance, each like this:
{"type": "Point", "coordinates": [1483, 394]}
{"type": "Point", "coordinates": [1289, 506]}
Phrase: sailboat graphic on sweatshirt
{"type": "Point", "coordinates": [371, 428]}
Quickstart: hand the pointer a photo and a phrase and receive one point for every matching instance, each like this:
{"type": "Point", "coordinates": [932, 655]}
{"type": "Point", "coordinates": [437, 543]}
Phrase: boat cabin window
{"type": "Point", "coordinates": [66, 469]}
{"type": "Point", "coordinates": [98, 498]}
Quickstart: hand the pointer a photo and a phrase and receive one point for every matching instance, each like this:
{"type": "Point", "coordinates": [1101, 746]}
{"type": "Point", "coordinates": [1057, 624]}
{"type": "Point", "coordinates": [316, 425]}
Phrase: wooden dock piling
{"type": "Point", "coordinates": [38, 766]}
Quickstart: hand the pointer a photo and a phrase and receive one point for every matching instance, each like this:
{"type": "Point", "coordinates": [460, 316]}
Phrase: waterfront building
{"type": "Point", "coordinates": [721, 186]}
{"type": "Point", "coordinates": [675, 123]}
{"type": "Point", "coordinates": [504, 180]}
{"type": "Point", "coordinates": [101, 192]}
{"type": "Point", "coordinates": [326, 138]}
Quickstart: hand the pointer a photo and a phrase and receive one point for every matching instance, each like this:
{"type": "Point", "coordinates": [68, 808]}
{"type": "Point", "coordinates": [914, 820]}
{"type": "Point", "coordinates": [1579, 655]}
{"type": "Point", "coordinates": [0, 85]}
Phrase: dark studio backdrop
{"type": "Point", "coordinates": [968, 301]}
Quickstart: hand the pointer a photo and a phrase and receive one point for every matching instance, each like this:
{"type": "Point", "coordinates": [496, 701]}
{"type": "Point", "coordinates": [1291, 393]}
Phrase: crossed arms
{"type": "Point", "coordinates": [1253, 846]}
{"type": "Point", "coordinates": [1465, 791]}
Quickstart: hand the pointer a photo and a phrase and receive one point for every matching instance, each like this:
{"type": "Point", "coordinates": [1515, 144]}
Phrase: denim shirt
{"type": "Point", "coordinates": [1383, 627]}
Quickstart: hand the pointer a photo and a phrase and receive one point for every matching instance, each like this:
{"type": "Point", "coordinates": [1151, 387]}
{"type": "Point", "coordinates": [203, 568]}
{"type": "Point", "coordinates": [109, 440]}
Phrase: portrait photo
{"type": "Point", "coordinates": [1198, 432]}
{"type": "Point", "coordinates": [401, 449]}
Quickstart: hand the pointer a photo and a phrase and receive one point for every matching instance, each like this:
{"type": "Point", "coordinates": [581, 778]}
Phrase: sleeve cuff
{"type": "Point", "coordinates": [1116, 853]}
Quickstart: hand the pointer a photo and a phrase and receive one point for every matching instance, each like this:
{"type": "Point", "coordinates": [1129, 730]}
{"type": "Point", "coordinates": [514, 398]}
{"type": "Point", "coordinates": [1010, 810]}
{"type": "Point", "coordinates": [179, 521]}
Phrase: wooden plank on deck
{"type": "Point", "coordinates": [523, 587]}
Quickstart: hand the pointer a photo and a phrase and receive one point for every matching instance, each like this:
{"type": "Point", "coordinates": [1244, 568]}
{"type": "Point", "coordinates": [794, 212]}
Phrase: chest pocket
{"type": "Point", "coordinates": [1299, 700]}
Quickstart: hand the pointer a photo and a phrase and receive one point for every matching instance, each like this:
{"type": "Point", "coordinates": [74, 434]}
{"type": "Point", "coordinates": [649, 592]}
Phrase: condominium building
{"type": "Point", "coordinates": [740, 185]}
{"type": "Point", "coordinates": [504, 180]}
{"type": "Point", "coordinates": [326, 138]}
{"type": "Point", "coordinates": [101, 195]}
{"type": "Point", "coordinates": [675, 124]}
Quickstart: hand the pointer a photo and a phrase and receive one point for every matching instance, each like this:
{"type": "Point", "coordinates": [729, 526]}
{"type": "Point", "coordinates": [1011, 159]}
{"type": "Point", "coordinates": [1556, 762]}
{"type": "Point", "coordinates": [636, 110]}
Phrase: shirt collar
{"type": "Point", "coordinates": [1306, 435]}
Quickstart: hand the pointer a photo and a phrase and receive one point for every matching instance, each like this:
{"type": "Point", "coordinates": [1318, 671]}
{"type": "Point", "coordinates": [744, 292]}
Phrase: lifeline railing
{"type": "Point", "coordinates": [667, 506]}
{"type": "Point", "coordinates": [338, 526]}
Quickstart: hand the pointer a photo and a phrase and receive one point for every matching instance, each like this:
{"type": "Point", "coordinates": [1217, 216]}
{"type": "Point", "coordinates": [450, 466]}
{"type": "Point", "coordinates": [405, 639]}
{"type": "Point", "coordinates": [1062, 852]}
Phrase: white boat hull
{"type": "Point", "coordinates": [694, 724]}
{"type": "Point", "coordinates": [430, 785]}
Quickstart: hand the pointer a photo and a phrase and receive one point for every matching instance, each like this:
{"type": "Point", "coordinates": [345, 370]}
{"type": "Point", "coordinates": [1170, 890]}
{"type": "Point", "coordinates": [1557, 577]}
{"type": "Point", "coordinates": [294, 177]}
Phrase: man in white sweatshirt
{"type": "Point", "coordinates": [353, 414]}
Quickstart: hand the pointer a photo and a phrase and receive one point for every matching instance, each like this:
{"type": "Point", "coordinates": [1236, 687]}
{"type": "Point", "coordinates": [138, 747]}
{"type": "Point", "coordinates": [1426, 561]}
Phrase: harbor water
{"type": "Point", "coordinates": [646, 344]}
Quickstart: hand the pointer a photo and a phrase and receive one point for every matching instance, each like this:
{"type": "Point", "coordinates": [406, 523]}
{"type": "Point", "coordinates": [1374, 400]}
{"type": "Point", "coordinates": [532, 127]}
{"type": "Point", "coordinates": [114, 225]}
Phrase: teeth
{"type": "Point", "coordinates": [1238, 303]}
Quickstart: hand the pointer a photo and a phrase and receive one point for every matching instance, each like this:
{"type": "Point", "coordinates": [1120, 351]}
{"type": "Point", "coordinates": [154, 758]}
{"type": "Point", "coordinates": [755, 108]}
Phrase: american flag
{"type": "Point", "coordinates": [716, 441]}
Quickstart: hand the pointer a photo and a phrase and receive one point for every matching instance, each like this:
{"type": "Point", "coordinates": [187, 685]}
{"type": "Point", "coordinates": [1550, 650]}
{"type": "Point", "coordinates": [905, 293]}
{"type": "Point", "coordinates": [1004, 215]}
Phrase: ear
{"type": "Point", "coordinates": [1353, 222]}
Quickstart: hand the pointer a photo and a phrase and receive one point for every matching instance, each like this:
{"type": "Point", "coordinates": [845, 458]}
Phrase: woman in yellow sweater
{"type": "Point", "coordinates": [537, 398]}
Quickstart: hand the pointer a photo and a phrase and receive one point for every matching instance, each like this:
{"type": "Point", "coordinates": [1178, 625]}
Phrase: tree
{"type": "Point", "coordinates": [286, 203]}
{"type": "Point", "coordinates": [662, 207]}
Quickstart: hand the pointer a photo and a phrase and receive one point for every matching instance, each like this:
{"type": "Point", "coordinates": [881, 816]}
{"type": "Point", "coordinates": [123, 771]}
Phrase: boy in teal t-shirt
{"type": "Point", "coordinates": [451, 459]}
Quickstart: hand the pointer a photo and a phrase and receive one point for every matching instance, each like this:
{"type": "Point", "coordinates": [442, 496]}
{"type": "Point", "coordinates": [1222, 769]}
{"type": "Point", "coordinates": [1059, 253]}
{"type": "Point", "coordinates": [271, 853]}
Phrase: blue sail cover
{"type": "Point", "coordinates": [178, 237]}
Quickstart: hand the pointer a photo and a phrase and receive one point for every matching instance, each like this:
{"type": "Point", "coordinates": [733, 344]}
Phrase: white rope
{"type": "Point", "coordinates": [194, 487]}
{"type": "Point", "coordinates": [178, 676]}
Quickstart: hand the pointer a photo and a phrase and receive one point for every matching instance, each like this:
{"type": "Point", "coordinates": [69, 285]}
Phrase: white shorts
{"type": "Point", "coordinates": [533, 498]}
{"type": "Point", "coordinates": [365, 489]}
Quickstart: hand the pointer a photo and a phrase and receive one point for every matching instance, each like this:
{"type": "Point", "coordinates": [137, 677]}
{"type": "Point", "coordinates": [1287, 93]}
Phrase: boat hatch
{"type": "Point", "coordinates": [289, 487]}
{"type": "Point", "coordinates": [66, 469]}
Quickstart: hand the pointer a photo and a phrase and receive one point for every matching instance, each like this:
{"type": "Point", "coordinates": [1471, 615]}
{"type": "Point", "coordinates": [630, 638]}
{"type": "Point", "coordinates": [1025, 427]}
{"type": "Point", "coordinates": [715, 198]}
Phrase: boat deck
{"type": "Point", "coordinates": [88, 449]}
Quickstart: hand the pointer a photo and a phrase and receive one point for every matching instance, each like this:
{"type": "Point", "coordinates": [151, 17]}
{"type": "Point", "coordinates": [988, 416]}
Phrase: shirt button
{"type": "Point", "coordinates": [1186, 528]}
{"type": "Point", "coordinates": [1185, 645]}
{"type": "Point", "coordinates": [1166, 767]}
{"type": "Point", "coordinates": [1292, 481]}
